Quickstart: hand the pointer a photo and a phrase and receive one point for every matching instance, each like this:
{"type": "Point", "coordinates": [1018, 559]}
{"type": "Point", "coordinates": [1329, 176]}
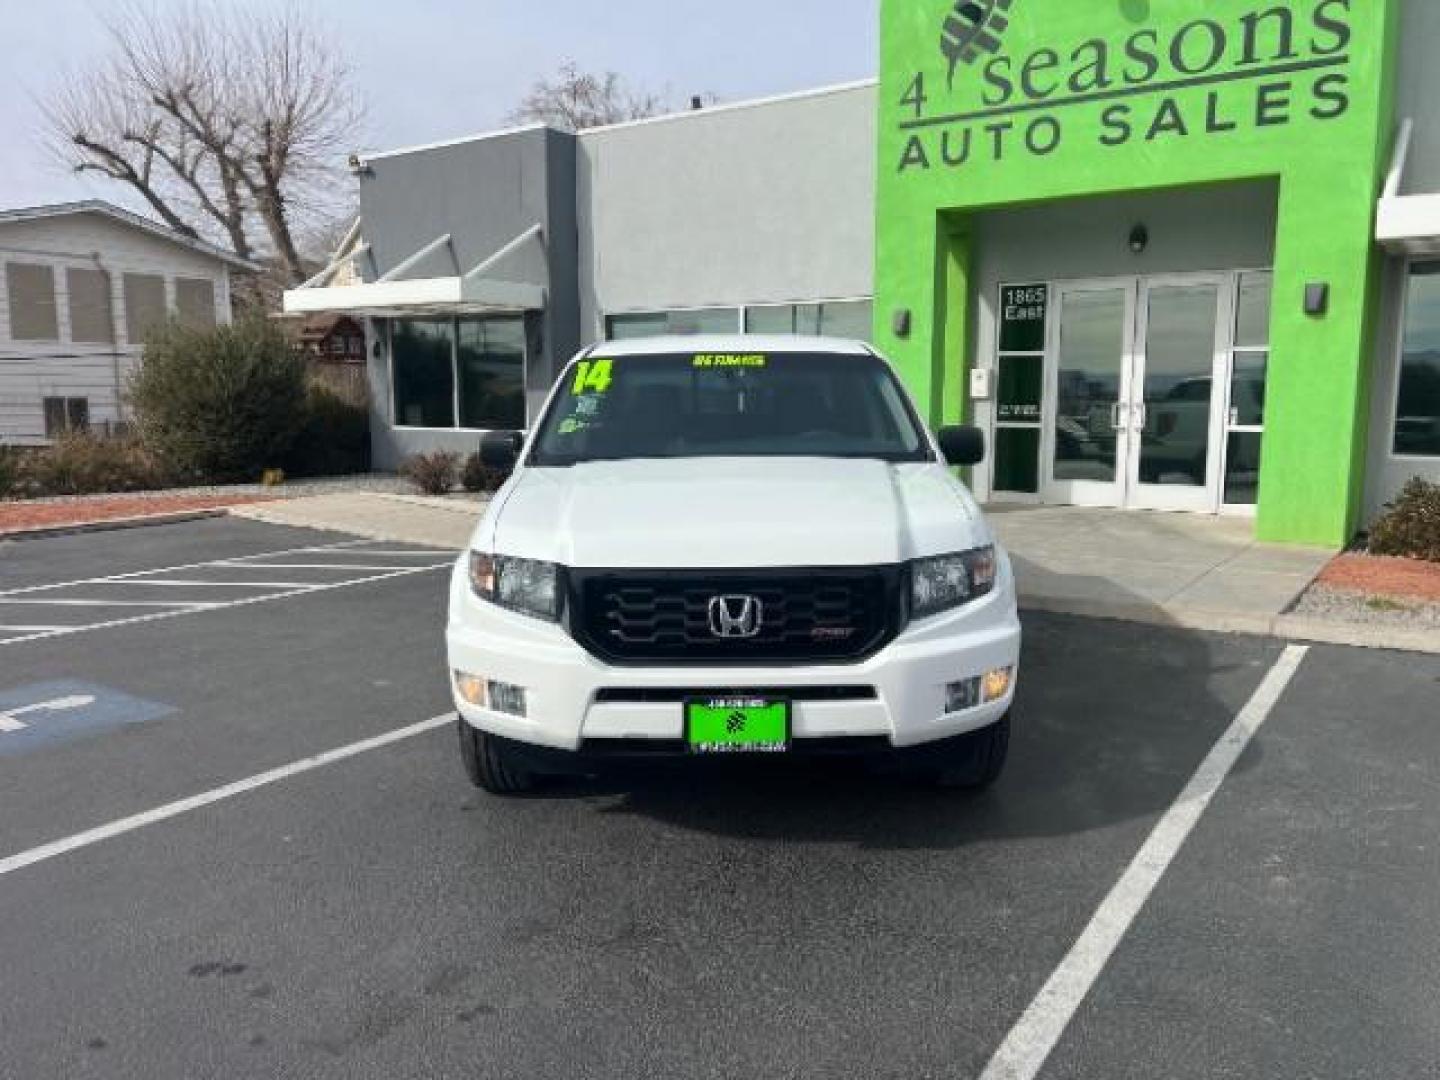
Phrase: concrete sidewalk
{"type": "Point", "coordinates": [406, 519]}
{"type": "Point", "coordinates": [1168, 569]}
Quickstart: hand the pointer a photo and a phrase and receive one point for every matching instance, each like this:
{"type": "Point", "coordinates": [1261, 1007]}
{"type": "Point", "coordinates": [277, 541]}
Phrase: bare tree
{"type": "Point", "coordinates": [228, 123]}
{"type": "Point", "coordinates": [573, 100]}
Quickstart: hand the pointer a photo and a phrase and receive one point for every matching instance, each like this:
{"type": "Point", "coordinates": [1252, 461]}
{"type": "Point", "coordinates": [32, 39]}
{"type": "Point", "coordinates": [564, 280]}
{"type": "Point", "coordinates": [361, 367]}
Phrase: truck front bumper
{"type": "Point", "coordinates": [574, 702]}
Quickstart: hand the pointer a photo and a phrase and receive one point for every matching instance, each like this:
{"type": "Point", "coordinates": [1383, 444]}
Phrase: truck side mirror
{"type": "Point", "coordinates": [962, 446]}
{"type": "Point", "coordinates": [501, 449]}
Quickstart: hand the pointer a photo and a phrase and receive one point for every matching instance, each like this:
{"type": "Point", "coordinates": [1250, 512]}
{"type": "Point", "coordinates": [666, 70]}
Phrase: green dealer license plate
{"type": "Point", "coordinates": [738, 725]}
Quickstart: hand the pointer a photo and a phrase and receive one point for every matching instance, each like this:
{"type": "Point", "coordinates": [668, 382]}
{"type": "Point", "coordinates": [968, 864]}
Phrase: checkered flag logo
{"type": "Point", "coordinates": [974, 28]}
{"type": "Point", "coordinates": [735, 725]}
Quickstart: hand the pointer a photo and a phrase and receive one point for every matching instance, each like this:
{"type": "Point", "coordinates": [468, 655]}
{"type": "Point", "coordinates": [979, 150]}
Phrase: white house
{"type": "Point", "coordinates": [80, 284]}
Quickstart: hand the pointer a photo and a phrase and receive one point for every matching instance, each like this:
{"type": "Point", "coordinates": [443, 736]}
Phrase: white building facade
{"type": "Point", "coordinates": [80, 286]}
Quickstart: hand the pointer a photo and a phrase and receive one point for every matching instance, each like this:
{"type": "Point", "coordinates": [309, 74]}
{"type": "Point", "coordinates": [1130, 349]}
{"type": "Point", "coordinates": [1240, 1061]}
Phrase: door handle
{"type": "Point", "coordinates": [1116, 424]}
{"type": "Point", "coordinates": [1142, 416]}
{"type": "Point", "coordinates": [1234, 417]}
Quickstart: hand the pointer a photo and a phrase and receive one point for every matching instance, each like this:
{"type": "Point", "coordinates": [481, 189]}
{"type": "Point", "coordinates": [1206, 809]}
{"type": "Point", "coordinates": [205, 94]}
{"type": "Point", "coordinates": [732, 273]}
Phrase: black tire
{"type": "Point", "coordinates": [973, 762]}
{"type": "Point", "coordinates": [490, 763]}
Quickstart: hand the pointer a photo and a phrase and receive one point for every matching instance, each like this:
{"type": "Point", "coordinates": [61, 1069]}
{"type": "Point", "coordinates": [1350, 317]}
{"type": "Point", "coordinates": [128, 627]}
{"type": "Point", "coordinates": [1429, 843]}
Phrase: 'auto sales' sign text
{"type": "Point", "coordinates": [1259, 69]}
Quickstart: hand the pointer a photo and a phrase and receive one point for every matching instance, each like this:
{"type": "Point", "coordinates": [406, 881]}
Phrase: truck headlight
{"type": "Point", "coordinates": [523, 585]}
{"type": "Point", "coordinates": [949, 581]}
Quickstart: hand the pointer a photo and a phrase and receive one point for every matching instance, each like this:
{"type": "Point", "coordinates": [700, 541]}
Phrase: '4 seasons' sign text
{"type": "Point", "coordinates": [1263, 68]}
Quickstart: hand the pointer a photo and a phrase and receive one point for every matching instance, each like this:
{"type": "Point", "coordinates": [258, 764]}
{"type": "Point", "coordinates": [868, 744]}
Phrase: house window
{"type": "Point", "coordinates": [1417, 405]}
{"type": "Point", "coordinates": [91, 321]}
{"type": "Point", "coordinates": [195, 302]}
{"type": "Point", "coordinates": [459, 373]}
{"type": "Point", "coordinates": [684, 323]}
{"type": "Point", "coordinates": [63, 415]}
{"type": "Point", "coordinates": [845, 319]}
{"type": "Point", "coordinates": [31, 289]}
{"type": "Point", "coordinates": [144, 305]}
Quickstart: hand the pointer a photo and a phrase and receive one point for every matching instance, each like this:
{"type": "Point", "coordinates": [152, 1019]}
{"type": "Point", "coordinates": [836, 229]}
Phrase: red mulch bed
{"type": "Point", "coordinates": [22, 516]}
{"type": "Point", "coordinates": [1375, 575]}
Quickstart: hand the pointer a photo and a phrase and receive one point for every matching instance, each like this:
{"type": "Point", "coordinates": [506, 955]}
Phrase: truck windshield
{"type": "Point", "coordinates": [729, 405]}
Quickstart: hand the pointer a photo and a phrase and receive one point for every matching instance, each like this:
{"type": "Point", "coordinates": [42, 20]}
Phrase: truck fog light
{"type": "Point", "coordinates": [471, 688]}
{"type": "Point", "coordinates": [963, 695]}
{"type": "Point", "coordinates": [997, 683]}
{"type": "Point", "coordinates": [507, 699]}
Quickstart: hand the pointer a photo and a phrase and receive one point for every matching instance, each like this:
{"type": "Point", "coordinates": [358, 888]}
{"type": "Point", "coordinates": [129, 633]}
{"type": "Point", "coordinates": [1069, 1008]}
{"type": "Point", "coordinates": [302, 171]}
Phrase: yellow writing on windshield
{"type": "Point", "coordinates": [731, 360]}
{"type": "Point", "coordinates": [593, 377]}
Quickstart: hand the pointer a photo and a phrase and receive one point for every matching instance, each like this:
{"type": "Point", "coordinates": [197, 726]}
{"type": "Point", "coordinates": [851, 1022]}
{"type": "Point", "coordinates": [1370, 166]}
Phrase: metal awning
{"type": "Point", "coordinates": [1407, 224]}
{"type": "Point", "coordinates": [400, 292]}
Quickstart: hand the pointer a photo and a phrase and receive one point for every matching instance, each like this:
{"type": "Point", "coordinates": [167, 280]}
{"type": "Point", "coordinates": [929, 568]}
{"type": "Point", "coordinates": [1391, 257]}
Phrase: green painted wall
{"type": "Point", "coordinates": [1074, 99]}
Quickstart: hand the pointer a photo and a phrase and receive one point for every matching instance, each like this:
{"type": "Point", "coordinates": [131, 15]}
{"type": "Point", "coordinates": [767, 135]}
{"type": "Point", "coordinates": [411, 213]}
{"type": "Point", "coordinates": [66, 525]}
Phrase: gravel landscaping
{"type": "Point", "coordinates": [1346, 605]}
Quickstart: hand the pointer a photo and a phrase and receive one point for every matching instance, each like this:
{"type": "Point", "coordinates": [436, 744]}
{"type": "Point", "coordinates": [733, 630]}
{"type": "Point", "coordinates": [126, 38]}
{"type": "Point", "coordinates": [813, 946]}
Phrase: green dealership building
{"type": "Point", "coordinates": [1172, 255]}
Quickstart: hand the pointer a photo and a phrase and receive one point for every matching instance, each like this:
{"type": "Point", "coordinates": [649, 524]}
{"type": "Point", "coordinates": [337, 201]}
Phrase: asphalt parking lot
{"type": "Point", "coordinates": [372, 916]}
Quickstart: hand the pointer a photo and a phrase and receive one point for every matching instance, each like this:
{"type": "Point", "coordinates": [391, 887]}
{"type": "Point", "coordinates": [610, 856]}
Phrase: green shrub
{"type": "Point", "coordinates": [433, 473]}
{"type": "Point", "coordinates": [334, 438]}
{"type": "Point", "coordinates": [477, 477]}
{"type": "Point", "coordinates": [221, 404]}
{"type": "Point", "coordinates": [79, 463]}
{"type": "Point", "coordinates": [1410, 525]}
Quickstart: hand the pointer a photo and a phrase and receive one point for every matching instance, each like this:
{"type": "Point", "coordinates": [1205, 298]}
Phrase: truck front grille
{"type": "Point", "coordinates": [804, 616]}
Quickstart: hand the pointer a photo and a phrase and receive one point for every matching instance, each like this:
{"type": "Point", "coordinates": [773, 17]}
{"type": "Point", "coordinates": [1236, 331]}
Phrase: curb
{"type": "Point", "coordinates": [1286, 627]}
{"type": "Point", "coordinates": [114, 524]}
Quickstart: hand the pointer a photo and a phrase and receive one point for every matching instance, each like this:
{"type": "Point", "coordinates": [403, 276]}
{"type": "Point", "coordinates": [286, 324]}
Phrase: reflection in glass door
{"type": "Point", "coordinates": [1176, 372]}
{"type": "Point", "coordinates": [1089, 437]}
{"type": "Point", "coordinates": [1137, 386]}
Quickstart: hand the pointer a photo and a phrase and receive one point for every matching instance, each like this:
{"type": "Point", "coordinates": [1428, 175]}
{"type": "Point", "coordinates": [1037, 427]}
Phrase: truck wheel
{"type": "Point", "coordinates": [975, 761]}
{"type": "Point", "coordinates": [491, 764]}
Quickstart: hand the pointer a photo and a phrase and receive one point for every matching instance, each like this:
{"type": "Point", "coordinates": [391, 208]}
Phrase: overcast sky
{"type": "Point", "coordinates": [435, 69]}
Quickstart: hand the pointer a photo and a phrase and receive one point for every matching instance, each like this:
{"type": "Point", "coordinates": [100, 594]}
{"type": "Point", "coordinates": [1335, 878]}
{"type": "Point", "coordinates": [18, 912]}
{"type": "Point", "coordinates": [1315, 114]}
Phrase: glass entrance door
{"type": "Point", "coordinates": [1135, 389]}
{"type": "Point", "coordinates": [1088, 442]}
{"type": "Point", "coordinates": [1178, 372]}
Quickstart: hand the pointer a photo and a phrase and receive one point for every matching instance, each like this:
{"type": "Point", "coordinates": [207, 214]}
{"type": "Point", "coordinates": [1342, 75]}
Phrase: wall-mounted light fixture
{"type": "Point", "coordinates": [1317, 298]}
{"type": "Point", "coordinates": [900, 322]}
{"type": "Point", "coordinates": [1139, 239]}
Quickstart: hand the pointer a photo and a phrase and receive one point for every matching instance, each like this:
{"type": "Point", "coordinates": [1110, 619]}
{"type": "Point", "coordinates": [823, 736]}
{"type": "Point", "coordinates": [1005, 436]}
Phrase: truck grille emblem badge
{"type": "Point", "coordinates": [735, 617]}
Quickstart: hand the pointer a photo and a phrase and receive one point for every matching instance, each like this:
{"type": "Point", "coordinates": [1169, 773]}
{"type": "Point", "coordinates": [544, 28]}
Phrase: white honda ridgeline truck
{"type": "Point", "coordinates": [732, 545]}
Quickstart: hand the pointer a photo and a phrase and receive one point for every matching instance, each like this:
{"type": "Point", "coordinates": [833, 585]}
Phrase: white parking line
{"type": "Point", "coordinates": [1032, 1040]}
{"type": "Point", "coordinates": [68, 602]}
{"type": "Point", "coordinates": [162, 582]}
{"type": "Point", "coordinates": [196, 609]}
{"type": "Point", "coordinates": [316, 566]}
{"type": "Point", "coordinates": [27, 590]}
{"type": "Point", "coordinates": [195, 802]}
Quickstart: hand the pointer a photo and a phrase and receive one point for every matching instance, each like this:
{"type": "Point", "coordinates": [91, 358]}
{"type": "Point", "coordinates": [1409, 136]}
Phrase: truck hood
{"type": "Point", "coordinates": [729, 513]}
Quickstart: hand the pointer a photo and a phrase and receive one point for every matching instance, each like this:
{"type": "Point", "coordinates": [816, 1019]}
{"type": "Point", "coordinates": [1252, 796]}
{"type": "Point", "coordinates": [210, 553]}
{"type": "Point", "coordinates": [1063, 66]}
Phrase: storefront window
{"type": "Point", "coordinates": [1252, 310]}
{"type": "Point", "coordinates": [475, 365]}
{"type": "Point", "coordinates": [683, 323]}
{"type": "Point", "coordinates": [1417, 410]}
{"type": "Point", "coordinates": [1019, 391]}
{"type": "Point", "coordinates": [491, 365]}
{"type": "Point", "coordinates": [844, 319]}
{"type": "Point", "coordinates": [1249, 370]}
{"type": "Point", "coordinates": [423, 355]}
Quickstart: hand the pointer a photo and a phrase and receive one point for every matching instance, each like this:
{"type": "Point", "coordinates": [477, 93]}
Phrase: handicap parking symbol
{"type": "Point", "coordinates": [62, 711]}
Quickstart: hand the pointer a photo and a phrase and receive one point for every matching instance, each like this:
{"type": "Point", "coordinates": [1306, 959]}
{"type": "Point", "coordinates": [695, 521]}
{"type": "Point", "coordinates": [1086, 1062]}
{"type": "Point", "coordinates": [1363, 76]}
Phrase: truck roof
{"type": "Point", "coordinates": [731, 343]}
